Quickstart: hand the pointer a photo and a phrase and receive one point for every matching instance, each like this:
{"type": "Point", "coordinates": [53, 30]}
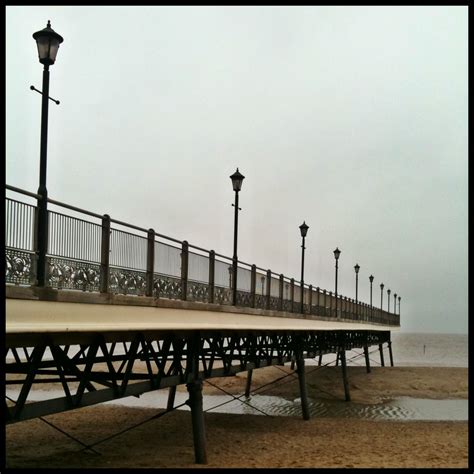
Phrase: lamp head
{"type": "Point", "coordinates": [304, 229]}
{"type": "Point", "coordinates": [47, 41]}
{"type": "Point", "coordinates": [237, 179]}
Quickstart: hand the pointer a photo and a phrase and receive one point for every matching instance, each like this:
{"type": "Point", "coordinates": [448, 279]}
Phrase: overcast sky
{"type": "Point", "coordinates": [353, 119]}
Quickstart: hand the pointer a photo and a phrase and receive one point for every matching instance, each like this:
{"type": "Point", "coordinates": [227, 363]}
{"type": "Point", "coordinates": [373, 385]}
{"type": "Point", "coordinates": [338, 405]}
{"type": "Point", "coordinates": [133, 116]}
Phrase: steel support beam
{"type": "Point", "coordinates": [344, 375]}
{"type": "Point", "coordinates": [367, 360]}
{"type": "Point", "coordinates": [382, 363]}
{"type": "Point", "coordinates": [390, 352]}
{"type": "Point", "coordinates": [249, 383]}
{"type": "Point", "coordinates": [303, 391]}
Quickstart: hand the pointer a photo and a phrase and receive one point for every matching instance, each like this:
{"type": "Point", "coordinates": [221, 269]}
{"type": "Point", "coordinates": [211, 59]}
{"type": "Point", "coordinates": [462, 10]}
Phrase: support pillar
{"type": "Point", "coordinates": [249, 383]}
{"type": "Point", "coordinates": [303, 391]}
{"type": "Point", "coordinates": [390, 353]}
{"type": "Point", "coordinates": [320, 358]}
{"type": "Point", "coordinates": [171, 397]}
{"type": "Point", "coordinates": [367, 361]}
{"type": "Point", "coordinates": [382, 363]}
{"type": "Point", "coordinates": [197, 417]}
{"type": "Point", "coordinates": [344, 375]}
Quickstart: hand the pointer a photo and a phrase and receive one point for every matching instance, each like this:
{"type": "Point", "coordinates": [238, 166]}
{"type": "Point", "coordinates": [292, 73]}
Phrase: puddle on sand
{"type": "Point", "coordinates": [403, 408]}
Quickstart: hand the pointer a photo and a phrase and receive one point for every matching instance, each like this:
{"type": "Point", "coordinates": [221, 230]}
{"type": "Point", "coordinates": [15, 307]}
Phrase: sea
{"type": "Point", "coordinates": [418, 349]}
{"type": "Point", "coordinates": [430, 349]}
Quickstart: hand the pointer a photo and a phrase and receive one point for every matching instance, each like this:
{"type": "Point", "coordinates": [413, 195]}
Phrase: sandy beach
{"type": "Point", "coordinates": [261, 441]}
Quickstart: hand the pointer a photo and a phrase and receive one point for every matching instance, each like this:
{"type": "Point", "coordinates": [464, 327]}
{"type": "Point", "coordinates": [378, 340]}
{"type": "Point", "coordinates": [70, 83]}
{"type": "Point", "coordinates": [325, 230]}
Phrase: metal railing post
{"type": "Point", "coordinates": [150, 262]}
{"type": "Point", "coordinates": [34, 258]}
{"type": "Point", "coordinates": [184, 269]}
{"type": "Point", "coordinates": [105, 254]}
{"type": "Point", "coordinates": [253, 285]}
{"type": "Point", "coordinates": [269, 287]}
{"type": "Point", "coordinates": [292, 293]}
{"type": "Point", "coordinates": [212, 267]}
{"type": "Point", "coordinates": [280, 292]}
{"type": "Point", "coordinates": [310, 302]}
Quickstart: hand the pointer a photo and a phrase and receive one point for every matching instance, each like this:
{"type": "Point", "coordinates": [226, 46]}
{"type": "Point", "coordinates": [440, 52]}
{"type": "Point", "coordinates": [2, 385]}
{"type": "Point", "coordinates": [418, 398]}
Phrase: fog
{"type": "Point", "coordinates": [353, 119]}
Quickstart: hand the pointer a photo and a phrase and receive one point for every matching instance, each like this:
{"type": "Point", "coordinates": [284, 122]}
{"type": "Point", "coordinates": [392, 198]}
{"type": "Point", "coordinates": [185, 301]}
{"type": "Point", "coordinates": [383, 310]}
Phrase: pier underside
{"type": "Point", "coordinates": [100, 350]}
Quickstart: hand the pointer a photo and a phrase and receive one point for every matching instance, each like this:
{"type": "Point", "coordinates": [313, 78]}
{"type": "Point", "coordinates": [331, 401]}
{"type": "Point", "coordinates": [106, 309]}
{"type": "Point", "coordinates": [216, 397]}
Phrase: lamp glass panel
{"type": "Point", "coordinates": [53, 49]}
{"type": "Point", "coordinates": [237, 184]}
{"type": "Point", "coordinates": [43, 47]}
{"type": "Point", "coordinates": [47, 49]}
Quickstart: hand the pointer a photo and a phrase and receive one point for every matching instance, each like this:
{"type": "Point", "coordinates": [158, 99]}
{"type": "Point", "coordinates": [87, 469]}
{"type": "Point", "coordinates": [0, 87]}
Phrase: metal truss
{"type": "Point", "coordinates": [102, 367]}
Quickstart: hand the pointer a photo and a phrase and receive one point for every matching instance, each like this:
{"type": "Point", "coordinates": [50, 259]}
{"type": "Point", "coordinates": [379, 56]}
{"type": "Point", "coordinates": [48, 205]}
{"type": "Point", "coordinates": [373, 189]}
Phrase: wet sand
{"type": "Point", "coordinates": [260, 441]}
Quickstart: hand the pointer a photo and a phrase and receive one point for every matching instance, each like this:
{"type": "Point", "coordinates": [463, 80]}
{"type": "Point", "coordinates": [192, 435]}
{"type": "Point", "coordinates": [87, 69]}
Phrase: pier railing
{"type": "Point", "coordinates": [92, 252]}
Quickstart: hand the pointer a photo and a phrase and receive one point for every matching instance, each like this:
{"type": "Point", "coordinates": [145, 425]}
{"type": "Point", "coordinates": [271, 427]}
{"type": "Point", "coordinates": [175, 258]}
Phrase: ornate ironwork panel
{"type": "Point", "coordinates": [274, 303]}
{"type": "Point", "coordinates": [222, 295]}
{"type": "Point", "coordinates": [287, 305]}
{"type": "Point", "coordinates": [243, 298]}
{"type": "Point", "coordinates": [72, 274]}
{"type": "Point", "coordinates": [198, 291]}
{"type": "Point", "coordinates": [127, 282]}
{"type": "Point", "coordinates": [165, 286]}
{"type": "Point", "coordinates": [18, 266]}
{"type": "Point", "coordinates": [260, 301]}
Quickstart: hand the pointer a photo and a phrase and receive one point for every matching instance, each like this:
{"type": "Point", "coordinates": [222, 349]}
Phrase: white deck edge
{"type": "Point", "coordinates": [35, 316]}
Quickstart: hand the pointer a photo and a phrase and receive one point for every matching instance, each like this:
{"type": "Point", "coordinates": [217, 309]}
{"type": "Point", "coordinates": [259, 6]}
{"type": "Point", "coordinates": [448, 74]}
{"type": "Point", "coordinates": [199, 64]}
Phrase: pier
{"type": "Point", "coordinates": [126, 310]}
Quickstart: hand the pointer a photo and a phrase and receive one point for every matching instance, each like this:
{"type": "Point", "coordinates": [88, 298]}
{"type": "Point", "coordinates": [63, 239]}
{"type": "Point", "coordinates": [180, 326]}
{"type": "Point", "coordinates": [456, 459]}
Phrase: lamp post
{"type": "Point", "coordinates": [357, 268]}
{"type": "Point", "coordinates": [371, 279]}
{"type": "Point", "coordinates": [394, 303]}
{"type": "Point", "coordinates": [304, 230]}
{"type": "Point", "coordinates": [399, 298]}
{"type": "Point", "coordinates": [337, 252]}
{"type": "Point", "coordinates": [388, 298]}
{"type": "Point", "coordinates": [47, 41]}
{"type": "Point", "coordinates": [381, 296]}
{"type": "Point", "coordinates": [237, 179]}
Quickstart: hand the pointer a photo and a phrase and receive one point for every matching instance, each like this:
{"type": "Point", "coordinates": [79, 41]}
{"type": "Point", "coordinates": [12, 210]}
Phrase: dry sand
{"type": "Point", "coordinates": [260, 441]}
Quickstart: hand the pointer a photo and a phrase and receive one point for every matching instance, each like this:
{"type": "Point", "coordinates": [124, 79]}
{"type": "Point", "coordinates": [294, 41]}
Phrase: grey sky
{"type": "Point", "coordinates": [351, 118]}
